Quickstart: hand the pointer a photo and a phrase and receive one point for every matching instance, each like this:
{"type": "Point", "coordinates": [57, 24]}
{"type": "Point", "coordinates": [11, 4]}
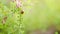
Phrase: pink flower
{"type": "Point", "coordinates": [18, 3]}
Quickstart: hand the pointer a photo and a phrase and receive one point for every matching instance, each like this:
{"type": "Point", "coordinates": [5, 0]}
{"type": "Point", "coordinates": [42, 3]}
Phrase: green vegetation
{"type": "Point", "coordinates": [9, 18]}
{"type": "Point", "coordinates": [32, 15]}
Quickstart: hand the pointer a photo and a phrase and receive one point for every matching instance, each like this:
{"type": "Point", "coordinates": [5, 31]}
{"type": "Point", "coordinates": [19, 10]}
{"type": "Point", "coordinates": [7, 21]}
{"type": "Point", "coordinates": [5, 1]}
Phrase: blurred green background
{"type": "Point", "coordinates": [38, 14]}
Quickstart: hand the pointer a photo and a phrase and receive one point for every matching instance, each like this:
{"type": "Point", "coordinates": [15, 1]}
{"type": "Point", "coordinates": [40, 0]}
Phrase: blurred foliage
{"type": "Point", "coordinates": [12, 24]}
{"type": "Point", "coordinates": [38, 14]}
